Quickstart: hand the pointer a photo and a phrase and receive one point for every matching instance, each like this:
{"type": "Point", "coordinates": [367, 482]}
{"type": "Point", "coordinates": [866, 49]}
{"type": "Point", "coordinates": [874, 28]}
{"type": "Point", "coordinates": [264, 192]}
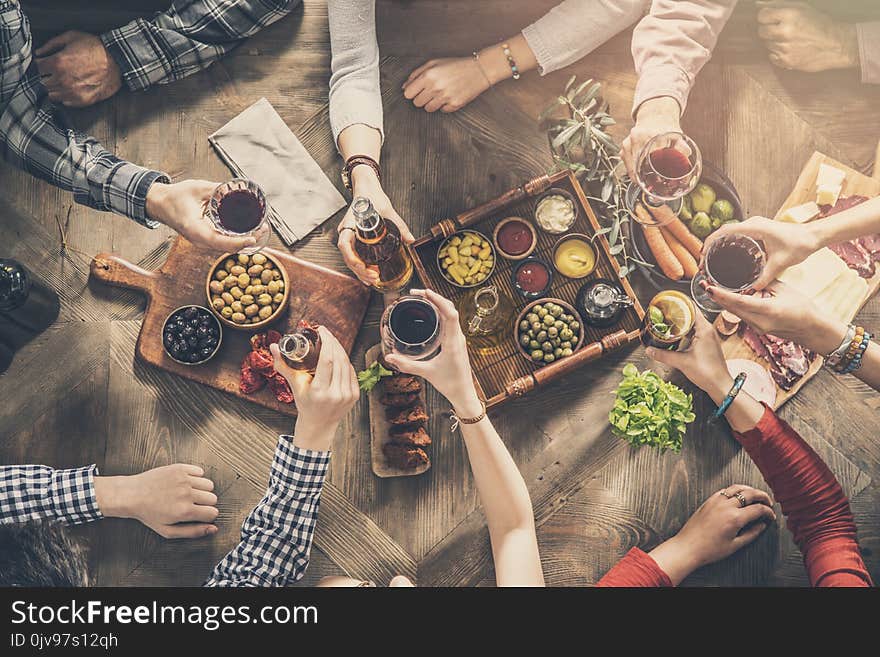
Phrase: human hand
{"type": "Point", "coordinates": [655, 116]}
{"type": "Point", "coordinates": [720, 527]}
{"type": "Point", "coordinates": [77, 70]}
{"type": "Point", "coordinates": [702, 363]}
{"type": "Point", "coordinates": [446, 84]}
{"type": "Point", "coordinates": [785, 313]}
{"type": "Point", "coordinates": [181, 206]}
{"type": "Point", "coordinates": [323, 400]}
{"type": "Point", "coordinates": [175, 501]}
{"type": "Point", "coordinates": [365, 183]}
{"type": "Point", "coordinates": [450, 370]}
{"type": "Point", "coordinates": [801, 38]}
{"type": "Point", "coordinates": [785, 244]}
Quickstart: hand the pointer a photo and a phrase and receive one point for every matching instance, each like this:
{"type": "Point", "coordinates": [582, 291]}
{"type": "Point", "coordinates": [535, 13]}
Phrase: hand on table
{"type": "Point", "coordinates": [450, 370]}
{"type": "Point", "coordinates": [175, 501]}
{"type": "Point", "coordinates": [655, 116]}
{"type": "Point", "coordinates": [720, 527]}
{"type": "Point", "coordinates": [785, 244]}
{"type": "Point", "coordinates": [445, 84]}
{"type": "Point", "coordinates": [181, 206]}
{"type": "Point", "coordinates": [324, 400]}
{"type": "Point", "coordinates": [800, 37]}
{"type": "Point", "coordinates": [77, 70]}
{"type": "Point", "coordinates": [365, 183]}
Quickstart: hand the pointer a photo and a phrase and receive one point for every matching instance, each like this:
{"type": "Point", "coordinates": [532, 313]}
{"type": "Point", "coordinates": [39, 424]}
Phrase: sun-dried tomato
{"type": "Point", "coordinates": [251, 381]}
{"type": "Point", "coordinates": [278, 385]}
{"type": "Point", "coordinates": [258, 368]}
{"type": "Point", "coordinates": [261, 361]}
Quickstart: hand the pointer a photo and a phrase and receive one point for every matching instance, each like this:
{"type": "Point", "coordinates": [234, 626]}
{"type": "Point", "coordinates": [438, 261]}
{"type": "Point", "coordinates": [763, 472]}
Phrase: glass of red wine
{"type": "Point", "coordinates": [238, 208]}
{"type": "Point", "coordinates": [410, 326]}
{"type": "Point", "coordinates": [668, 168]}
{"type": "Point", "coordinates": [733, 262]}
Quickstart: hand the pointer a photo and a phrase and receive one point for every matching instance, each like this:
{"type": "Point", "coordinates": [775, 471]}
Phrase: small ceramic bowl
{"type": "Point", "coordinates": [569, 310]}
{"type": "Point", "coordinates": [256, 326]}
{"type": "Point", "coordinates": [536, 294]}
{"type": "Point", "coordinates": [557, 191]}
{"type": "Point", "coordinates": [446, 274]}
{"type": "Point", "coordinates": [528, 225]}
{"type": "Point", "coordinates": [580, 237]}
{"type": "Point", "coordinates": [216, 323]}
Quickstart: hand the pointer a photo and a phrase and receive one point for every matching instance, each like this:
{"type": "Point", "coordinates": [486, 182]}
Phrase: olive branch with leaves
{"type": "Point", "coordinates": [579, 143]}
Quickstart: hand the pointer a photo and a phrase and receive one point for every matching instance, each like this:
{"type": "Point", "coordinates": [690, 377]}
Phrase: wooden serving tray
{"type": "Point", "coordinates": [856, 183]}
{"type": "Point", "coordinates": [506, 374]}
{"type": "Point", "coordinates": [316, 293]}
{"type": "Point", "coordinates": [379, 427]}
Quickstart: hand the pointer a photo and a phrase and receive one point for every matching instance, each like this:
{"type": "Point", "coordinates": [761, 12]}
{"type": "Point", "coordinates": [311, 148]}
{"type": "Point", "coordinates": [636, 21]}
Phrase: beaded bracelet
{"type": "Point", "coordinates": [850, 353]}
{"type": "Point", "coordinates": [856, 361]}
{"type": "Point", "coordinates": [730, 396]}
{"type": "Point", "coordinates": [510, 60]}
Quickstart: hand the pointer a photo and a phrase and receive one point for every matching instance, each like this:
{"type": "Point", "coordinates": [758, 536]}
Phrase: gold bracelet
{"type": "Point", "coordinates": [480, 66]}
{"type": "Point", "coordinates": [456, 420]}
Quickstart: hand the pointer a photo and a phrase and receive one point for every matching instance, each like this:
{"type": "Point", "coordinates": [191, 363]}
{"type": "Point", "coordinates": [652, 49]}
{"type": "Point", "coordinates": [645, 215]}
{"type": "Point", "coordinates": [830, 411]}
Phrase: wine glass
{"type": "Point", "coordinates": [238, 208]}
{"type": "Point", "coordinates": [410, 326]}
{"type": "Point", "coordinates": [668, 168]}
{"type": "Point", "coordinates": [733, 262]}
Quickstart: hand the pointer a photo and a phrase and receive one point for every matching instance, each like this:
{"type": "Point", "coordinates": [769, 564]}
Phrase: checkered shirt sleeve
{"type": "Point", "coordinates": [32, 492]}
{"type": "Point", "coordinates": [36, 136]}
{"type": "Point", "coordinates": [188, 37]}
{"type": "Point", "coordinates": [277, 535]}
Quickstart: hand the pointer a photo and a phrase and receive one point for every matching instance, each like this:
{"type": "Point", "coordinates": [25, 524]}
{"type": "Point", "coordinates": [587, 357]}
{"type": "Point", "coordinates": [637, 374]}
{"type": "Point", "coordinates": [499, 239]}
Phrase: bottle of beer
{"type": "Point", "coordinates": [379, 245]}
{"type": "Point", "coordinates": [27, 308]}
{"type": "Point", "coordinates": [301, 349]}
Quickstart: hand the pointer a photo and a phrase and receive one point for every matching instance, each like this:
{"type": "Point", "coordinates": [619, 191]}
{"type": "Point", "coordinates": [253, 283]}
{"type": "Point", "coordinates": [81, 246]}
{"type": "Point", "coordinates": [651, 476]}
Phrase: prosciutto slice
{"type": "Point", "coordinates": [859, 254]}
{"type": "Point", "coordinates": [788, 361]}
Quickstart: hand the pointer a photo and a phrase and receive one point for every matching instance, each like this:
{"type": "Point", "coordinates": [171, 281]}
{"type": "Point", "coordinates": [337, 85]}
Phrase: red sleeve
{"type": "Point", "coordinates": [812, 500]}
{"type": "Point", "coordinates": [636, 569]}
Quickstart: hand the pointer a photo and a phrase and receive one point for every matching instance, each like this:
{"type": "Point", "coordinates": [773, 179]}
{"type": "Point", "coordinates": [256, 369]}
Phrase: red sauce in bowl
{"type": "Point", "coordinates": [514, 238]}
{"type": "Point", "coordinates": [533, 277]}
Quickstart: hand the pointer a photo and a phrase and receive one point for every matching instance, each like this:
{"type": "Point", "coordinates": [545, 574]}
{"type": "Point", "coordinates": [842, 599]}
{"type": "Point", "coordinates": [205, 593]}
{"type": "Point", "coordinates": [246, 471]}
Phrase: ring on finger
{"type": "Point", "coordinates": [741, 498]}
{"type": "Point", "coordinates": [723, 493]}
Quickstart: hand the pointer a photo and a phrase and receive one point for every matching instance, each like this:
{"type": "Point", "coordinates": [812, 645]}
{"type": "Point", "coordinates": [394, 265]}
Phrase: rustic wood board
{"type": "Point", "coordinates": [379, 427]}
{"type": "Point", "coordinates": [856, 183]}
{"type": "Point", "coordinates": [316, 293]}
{"type": "Point", "coordinates": [505, 374]}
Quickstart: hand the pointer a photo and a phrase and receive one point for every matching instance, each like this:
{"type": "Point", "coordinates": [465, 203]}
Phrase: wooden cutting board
{"type": "Point", "coordinates": [856, 183]}
{"type": "Point", "coordinates": [316, 293]}
{"type": "Point", "coordinates": [379, 427]}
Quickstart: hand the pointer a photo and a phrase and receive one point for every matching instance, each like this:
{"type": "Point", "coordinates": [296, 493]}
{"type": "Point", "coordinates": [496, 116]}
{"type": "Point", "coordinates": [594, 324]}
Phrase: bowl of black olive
{"type": "Point", "coordinates": [191, 335]}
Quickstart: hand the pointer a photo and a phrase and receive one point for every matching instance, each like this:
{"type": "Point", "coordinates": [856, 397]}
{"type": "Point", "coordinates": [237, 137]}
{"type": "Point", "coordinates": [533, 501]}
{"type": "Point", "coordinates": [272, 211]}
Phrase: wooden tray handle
{"type": "Point", "coordinates": [113, 270]}
{"type": "Point", "coordinates": [447, 227]}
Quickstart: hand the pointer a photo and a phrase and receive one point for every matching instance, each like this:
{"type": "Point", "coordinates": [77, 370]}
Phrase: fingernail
{"type": "Point", "coordinates": [212, 529]}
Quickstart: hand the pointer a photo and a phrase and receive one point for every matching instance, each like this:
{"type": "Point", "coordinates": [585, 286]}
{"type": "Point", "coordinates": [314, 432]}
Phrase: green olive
{"type": "Point", "coordinates": [534, 344]}
{"type": "Point", "coordinates": [238, 318]}
{"type": "Point", "coordinates": [266, 312]}
{"type": "Point", "coordinates": [237, 270]}
{"type": "Point", "coordinates": [540, 312]}
{"type": "Point", "coordinates": [566, 352]}
{"type": "Point", "coordinates": [237, 307]}
{"type": "Point", "coordinates": [228, 264]}
{"type": "Point", "coordinates": [251, 310]}
{"type": "Point", "coordinates": [566, 345]}
{"type": "Point", "coordinates": [236, 292]}
{"type": "Point", "coordinates": [557, 352]}
{"type": "Point", "coordinates": [537, 326]}
{"type": "Point", "coordinates": [524, 340]}
{"type": "Point", "coordinates": [566, 334]}
{"type": "Point", "coordinates": [575, 326]}
{"type": "Point", "coordinates": [549, 358]}
{"type": "Point", "coordinates": [259, 259]}
{"type": "Point", "coordinates": [552, 331]}
{"type": "Point", "coordinates": [531, 318]}
{"type": "Point", "coordinates": [559, 325]}
{"type": "Point", "coordinates": [542, 336]}
{"type": "Point", "coordinates": [218, 303]}
{"type": "Point", "coordinates": [537, 354]}
{"type": "Point", "coordinates": [548, 320]}
{"type": "Point", "coordinates": [227, 297]}
{"type": "Point", "coordinates": [220, 274]}
{"type": "Point", "coordinates": [216, 287]}
{"type": "Point", "coordinates": [226, 311]}
{"type": "Point", "coordinates": [264, 299]}
{"type": "Point", "coordinates": [278, 298]}
{"type": "Point", "coordinates": [272, 287]}
{"type": "Point", "coordinates": [243, 258]}
{"type": "Point", "coordinates": [547, 347]}
{"type": "Point", "coordinates": [556, 311]}
{"type": "Point", "coordinates": [267, 275]}
{"type": "Point", "coordinates": [255, 270]}
{"type": "Point", "coordinates": [524, 326]}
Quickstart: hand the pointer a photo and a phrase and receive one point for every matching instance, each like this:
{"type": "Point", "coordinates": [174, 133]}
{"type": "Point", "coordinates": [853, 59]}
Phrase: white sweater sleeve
{"type": "Point", "coordinates": [354, 84]}
{"type": "Point", "coordinates": [574, 28]}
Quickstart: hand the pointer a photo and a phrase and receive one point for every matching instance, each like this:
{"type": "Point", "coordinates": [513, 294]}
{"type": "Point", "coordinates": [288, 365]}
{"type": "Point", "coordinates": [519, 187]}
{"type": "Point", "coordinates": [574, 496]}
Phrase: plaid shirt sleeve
{"type": "Point", "coordinates": [32, 492]}
{"type": "Point", "coordinates": [277, 535]}
{"type": "Point", "coordinates": [35, 135]}
{"type": "Point", "coordinates": [188, 37]}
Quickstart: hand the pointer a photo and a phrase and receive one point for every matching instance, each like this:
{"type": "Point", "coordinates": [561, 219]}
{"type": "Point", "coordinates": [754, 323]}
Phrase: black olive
{"type": "Point", "coordinates": [168, 339]}
{"type": "Point", "coordinates": [194, 322]}
{"type": "Point", "coordinates": [188, 331]}
{"type": "Point", "coordinates": [214, 332]}
{"type": "Point", "coordinates": [191, 312]}
{"type": "Point", "coordinates": [192, 341]}
{"type": "Point", "coordinates": [193, 357]}
{"type": "Point", "coordinates": [211, 341]}
{"type": "Point", "coordinates": [206, 351]}
{"type": "Point", "coordinates": [182, 346]}
{"type": "Point", "coordinates": [203, 343]}
{"type": "Point", "coordinates": [179, 323]}
{"type": "Point", "coordinates": [202, 331]}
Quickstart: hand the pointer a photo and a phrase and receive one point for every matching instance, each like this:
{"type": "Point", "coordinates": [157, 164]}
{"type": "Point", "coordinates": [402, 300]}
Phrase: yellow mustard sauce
{"type": "Point", "coordinates": [575, 258]}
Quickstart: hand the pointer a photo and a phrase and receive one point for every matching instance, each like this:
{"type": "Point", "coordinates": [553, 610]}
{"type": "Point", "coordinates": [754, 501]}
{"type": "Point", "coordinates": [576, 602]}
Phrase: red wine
{"type": "Point", "coordinates": [670, 162]}
{"type": "Point", "coordinates": [413, 322]}
{"type": "Point", "coordinates": [734, 264]}
{"type": "Point", "coordinates": [664, 172]}
{"type": "Point", "coordinates": [240, 211]}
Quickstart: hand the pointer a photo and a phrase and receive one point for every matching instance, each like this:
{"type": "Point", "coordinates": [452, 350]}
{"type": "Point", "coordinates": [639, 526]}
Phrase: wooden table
{"type": "Point", "coordinates": [79, 397]}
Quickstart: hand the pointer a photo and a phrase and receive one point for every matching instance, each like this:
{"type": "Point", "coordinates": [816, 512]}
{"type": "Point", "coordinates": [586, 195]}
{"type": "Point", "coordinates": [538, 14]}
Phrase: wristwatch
{"type": "Point", "coordinates": [356, 160]}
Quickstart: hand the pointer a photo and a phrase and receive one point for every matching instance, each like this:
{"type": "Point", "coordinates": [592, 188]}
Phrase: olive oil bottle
{"type": "Point", "coordinates": [379, 245]}
{"type": "Point", "coordinates": [301, 349]}
{"type": "Point", "coordinates": [485, 315]}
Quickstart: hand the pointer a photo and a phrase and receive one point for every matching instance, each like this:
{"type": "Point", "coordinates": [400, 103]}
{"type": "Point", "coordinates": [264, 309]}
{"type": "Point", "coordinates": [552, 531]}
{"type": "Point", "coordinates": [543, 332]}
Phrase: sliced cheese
{"type": "Point", "coordinates": [815, 274]}
{"type": "Point", "coordinates": [801, 214]}
{"type": "Point", "coordinates": [842, 299]}
{"type": "Point", "coordinates": [829, 176]}
{"type": "Point", "coordinates": [828, 194]}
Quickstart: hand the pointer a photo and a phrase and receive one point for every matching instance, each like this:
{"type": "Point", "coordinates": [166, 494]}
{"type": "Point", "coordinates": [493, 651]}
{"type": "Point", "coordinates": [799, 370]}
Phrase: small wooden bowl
{"type": "Point", "coordinates": [449, 278]}
{"type": "Point", "coordinates": [257, 325]}
{"type": "Point", "coordinates": [502, 252]}
{"type": "Point", "coordinates": [569, 310]}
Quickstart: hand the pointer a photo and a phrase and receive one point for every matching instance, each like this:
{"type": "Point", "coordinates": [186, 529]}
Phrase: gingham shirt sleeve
{"type": "Point", "coordinates": [35, 135]}
{"type": "Point", "coordinates": [33, 492]}
{"type": "Point", "coordinates": [277, 535]}
{"type": "Point", "coordinates": [188, 37]}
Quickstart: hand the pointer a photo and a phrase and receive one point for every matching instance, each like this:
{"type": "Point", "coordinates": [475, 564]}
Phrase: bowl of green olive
{"type": "Point", "coordinates": [548, 330]}
{"type": "Point", "coordinates": [247, 292]}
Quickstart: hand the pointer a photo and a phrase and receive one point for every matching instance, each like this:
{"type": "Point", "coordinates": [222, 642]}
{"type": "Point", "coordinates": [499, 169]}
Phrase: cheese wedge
{"type": "Point", "coordinates": [801, 214]}
{"type": "Point", "coordinates": [842, 299]}
{"type": "Point", "coordinates": [828, 195]}
{"type": "Point", "coordinates": [815, 274]}
{"type": "Point", "coordinates": [829, 176]}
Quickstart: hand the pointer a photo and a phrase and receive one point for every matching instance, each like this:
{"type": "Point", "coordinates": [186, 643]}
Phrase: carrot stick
{"type": "Point", "coordinates": [664, 216]}
{"type": "Point", "coordinates": [684, 257]}
{"type": "Point", "coordinates": [664, 256]}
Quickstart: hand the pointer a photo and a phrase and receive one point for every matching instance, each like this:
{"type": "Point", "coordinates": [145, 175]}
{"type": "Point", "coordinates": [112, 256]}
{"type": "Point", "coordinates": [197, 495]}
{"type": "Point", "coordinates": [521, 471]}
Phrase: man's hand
{"type": "Point", "coordinates": [654, 117]}
{"type": "Point", "coordinates": [365, 183]}
{"type": "Point", "coordinates": [324, 400]}
{"type": "Point", "coordinates": [77, 69]}
{"type": "Point", "coordinates": [801, 38]}
{"type": "Point", "coordinates": [181, 206]}
{"type": "Point", "coordinates": [175, 501]}
{"type": "Point", "coordinates": [445, 84]}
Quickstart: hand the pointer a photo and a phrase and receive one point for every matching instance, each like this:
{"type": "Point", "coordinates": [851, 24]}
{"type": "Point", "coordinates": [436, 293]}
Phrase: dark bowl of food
{"type": "Point", "coordinates": [713, 203]}
{"type": "Point", "coordinates": [532, 277]}
{"type": "Point", "coordinates": [191, 335]}
{"type": "Point", "coordinates": [547, 330]}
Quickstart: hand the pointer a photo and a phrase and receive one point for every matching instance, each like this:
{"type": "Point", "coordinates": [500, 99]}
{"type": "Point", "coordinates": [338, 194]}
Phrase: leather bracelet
{"type": "Point", "coordinates": [456, 421]}
{"type": "Point", "coordinates": [730, 396]}
{"type": "Point", "coordinates": [357, 160]}
{"type": "Point", "coordinates": [832, 359]}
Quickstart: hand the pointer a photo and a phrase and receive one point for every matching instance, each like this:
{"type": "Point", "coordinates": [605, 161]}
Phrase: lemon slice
{"type": "Point", "coordinates": [676, 312]}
